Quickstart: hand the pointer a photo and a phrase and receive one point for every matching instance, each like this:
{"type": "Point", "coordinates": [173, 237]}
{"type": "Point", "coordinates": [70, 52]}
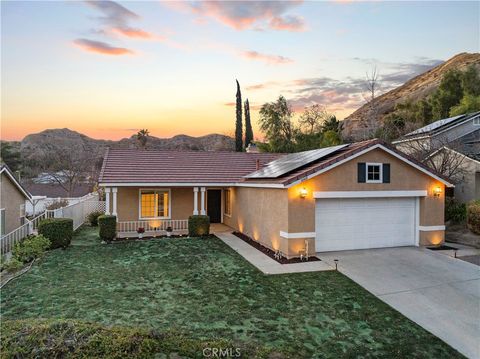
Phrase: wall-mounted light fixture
{"type": "Point", "coordinates": [303, 192]}
{"type": "Point", "coordinates": [437, 191]}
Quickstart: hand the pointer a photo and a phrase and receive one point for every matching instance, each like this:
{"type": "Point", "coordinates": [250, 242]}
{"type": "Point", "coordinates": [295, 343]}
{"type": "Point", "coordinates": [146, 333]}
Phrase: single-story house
{"type": "Point", "coordinates": [351, 196]}
{"type": "Point", "coordinates": [12, 201]}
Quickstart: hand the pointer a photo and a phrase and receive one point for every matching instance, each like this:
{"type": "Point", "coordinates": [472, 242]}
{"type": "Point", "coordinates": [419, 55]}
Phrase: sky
{"type": "Point", "coordinates": [108, 69]}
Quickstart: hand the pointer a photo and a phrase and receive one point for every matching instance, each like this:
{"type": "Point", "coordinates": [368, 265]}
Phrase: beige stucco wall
{"type": "Point", "coordinates": [128, 197]}
{"type": "Point", "coordinates": [11, 199]}
{"type": "Point", "coordinates": [260, 213]}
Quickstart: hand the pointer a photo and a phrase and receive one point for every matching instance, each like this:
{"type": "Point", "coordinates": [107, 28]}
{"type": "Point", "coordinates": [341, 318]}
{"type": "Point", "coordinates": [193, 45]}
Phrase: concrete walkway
{"type": "Point", "coordinates": [437, 291]}
{"type": "Point", "coordinates": [263, 262]}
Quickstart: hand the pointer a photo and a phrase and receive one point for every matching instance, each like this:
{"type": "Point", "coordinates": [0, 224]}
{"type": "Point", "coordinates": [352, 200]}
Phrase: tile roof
{"type": "Point", "coordinates": [153, 166]}
{"type": "Point", "coordinates": [53, 190]}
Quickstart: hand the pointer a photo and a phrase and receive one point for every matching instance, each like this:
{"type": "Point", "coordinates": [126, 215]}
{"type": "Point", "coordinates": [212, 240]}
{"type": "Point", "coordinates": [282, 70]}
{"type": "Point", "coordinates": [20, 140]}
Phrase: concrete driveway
{"type": "Point", "coordinates": [438, 292]}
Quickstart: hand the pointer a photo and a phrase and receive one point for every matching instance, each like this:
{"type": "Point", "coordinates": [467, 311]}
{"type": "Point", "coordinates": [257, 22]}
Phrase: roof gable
{"type": "Point", "coordinates": [8, 173]}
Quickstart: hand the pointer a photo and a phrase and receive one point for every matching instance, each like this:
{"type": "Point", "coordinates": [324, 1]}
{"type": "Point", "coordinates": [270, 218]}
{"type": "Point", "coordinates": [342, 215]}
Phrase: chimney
{"type": "Point", "coordinates": [257, 164]}
{"type": "Point", "coordinates": [252, 148]}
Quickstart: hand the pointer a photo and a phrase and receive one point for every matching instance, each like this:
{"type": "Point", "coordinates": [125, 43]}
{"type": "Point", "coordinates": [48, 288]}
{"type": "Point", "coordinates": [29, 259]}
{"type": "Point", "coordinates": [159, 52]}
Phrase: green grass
{"type": "Point", "coordinates": [203, 289]}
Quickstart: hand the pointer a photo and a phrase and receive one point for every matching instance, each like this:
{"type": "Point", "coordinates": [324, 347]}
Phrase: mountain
{"type": "Point", "coordinates": [367, 119]}
{"type": "Point", "coordinates": [35, 145]}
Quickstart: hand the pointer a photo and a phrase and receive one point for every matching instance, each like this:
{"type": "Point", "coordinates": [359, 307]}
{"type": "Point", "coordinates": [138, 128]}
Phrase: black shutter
{"type": "Point", "coordinates": [386, 173]}
{"type": "Point", "coordinates": [361, 172]}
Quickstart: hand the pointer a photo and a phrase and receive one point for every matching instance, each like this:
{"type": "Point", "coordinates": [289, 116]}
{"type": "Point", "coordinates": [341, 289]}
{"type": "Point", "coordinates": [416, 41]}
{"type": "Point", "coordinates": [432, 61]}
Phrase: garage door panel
{"type": "Point", "coordinates": [360, 223]}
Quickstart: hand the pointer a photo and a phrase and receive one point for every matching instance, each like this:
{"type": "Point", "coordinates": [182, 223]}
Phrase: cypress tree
{"type": "Point", "coordinates": [248, 125]}
{"type": "Point", "coordinates": [238, 123]}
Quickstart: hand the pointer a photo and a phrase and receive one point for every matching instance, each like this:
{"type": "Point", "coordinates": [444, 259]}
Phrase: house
{"type": "Point", "coordinates": [12, 201]}
{"type": "Point", "coordinates": [461, 134]}
{"type": "Point", "coordinates": [351, 196]}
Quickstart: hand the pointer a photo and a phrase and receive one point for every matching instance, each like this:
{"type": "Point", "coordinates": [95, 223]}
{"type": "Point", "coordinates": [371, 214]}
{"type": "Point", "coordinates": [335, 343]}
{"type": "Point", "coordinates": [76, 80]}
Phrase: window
{"type": "Point", "coordinates": [228, 202]}
{"type": "Point", "coordinates": [476, 121]}
{"type": "Point", "coordinates": [374, 172]}
{"type": "Point", "coordinates": [22, 214]}
{"type": "Point", "coordinates": [154, 203]}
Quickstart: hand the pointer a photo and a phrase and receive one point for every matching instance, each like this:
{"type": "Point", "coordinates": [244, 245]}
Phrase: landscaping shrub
{"type": "Point", "coordinates": [93, 218]}
{"type": "Point", "coordinates": [76, 339]}
{"type": "Point", "coordinates": [30, 248]}
{"type": "Point", "coordinates": [198, 226]}
{"type": "Point", "coordinates": [454, 211]}
{"type": "Point", "coordinates": [473, 216]}
{"type": "Point", "coordinates": [12, 265]}
{"type": "Point", "coordinates": [107, 227]}
{"type": "Point", "coordinates": [58, 230]}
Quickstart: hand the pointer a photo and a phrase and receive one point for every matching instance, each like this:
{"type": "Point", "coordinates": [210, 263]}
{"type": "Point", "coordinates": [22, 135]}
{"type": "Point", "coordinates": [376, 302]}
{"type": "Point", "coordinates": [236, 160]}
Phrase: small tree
{"type": "Point", "coordinates": [142, 137]}
{"type": "Point", "coordinates": [248, 125]}
{"type": "Point", "coordinates": [238, 122]}
{"type": "Point", "coordinates": [312, 117]}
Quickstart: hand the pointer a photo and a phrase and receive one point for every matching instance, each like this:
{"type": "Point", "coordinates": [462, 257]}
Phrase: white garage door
{"type": "Point", "coordinates": [358, 223]}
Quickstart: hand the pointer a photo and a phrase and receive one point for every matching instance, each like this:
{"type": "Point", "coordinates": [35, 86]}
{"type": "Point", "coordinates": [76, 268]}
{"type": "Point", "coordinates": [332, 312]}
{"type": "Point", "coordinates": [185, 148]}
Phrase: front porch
{"type": "Point", "coordinates": [156, 209]}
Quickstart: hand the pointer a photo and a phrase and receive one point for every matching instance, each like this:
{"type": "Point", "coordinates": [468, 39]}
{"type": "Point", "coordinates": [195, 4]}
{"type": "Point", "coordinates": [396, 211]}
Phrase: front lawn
{"type": "Point", "coordinates": [203, 289]}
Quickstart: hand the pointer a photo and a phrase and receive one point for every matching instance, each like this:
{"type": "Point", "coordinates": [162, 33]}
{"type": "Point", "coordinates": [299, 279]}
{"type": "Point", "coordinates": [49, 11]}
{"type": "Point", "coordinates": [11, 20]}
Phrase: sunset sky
{"type": "Point", "coordinates": [107, 69]}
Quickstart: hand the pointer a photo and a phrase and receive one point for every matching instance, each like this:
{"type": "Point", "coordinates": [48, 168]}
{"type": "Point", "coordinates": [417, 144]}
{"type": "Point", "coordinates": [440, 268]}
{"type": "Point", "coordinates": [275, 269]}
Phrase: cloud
{"type": "Point", "coordinates": [101, 47]}
{"type": "Point", "coordinates": [243, 15]}
{"type": "Point", "coordinates": [115, 19]}
{"type": "Point", "coordinates": [269, 59]}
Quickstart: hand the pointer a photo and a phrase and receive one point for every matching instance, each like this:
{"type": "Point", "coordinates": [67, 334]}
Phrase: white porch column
{"type": "Point", "coordinates": [195, 201]}
{"type": "Point", "coordinates": [107, 200]}
{"type": "Point", "coordinates": [114, 193]}
{"type": "Point", "coordinates": [202, 202]}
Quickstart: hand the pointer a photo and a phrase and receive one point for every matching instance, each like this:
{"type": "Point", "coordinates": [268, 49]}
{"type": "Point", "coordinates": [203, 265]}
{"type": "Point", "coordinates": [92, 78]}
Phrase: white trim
{"type": "Point", "coordinates": [195, 201]}
{"type": "Point", "coordinates": [368, 194]}
{"type": "Point", "coordinates": [154, 189]}
{"type": "Point", "coordinates": [107, 200]}
{"type": "Point", "coordinates": [203, 212]}
{"type": "Point", "coordinates": [431, 228]}
{"type": "Point", "coordinates": [15, 182]}
{"type": "Point", "coordinates": [167, 184]}
{"type": "Point", "coordinates": [114, 200]}
{"type": "Point", "coordinates": [297, 235]}
{"type": "Point", "coordinates": [417, 221]}
{"type": "Point", "coordinates": [259, 185]}
{"type": "Point", "coordinates": [380, 165]}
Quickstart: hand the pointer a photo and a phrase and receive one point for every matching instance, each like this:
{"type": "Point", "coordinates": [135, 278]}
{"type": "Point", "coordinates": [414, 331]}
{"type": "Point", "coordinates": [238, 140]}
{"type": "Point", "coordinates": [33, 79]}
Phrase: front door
{"type": "Point", "coordinates": [214, 205]}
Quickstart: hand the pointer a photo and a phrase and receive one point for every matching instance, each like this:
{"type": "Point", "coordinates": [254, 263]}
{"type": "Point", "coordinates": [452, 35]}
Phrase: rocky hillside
{"type": "Point", "coordinates": [57, 140]}
{"type": "Point", "coordinates": [367, 119]}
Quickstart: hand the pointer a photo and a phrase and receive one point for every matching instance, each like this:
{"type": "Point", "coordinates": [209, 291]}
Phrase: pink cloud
{"type": "Point", "coordinates": [101, 47]}
{"type": "Point", "coordinates": [269, 59]}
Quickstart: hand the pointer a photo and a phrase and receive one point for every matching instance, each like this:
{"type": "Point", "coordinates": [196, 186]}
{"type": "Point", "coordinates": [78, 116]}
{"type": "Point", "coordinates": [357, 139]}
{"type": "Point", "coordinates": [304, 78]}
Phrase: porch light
{"type": "Point", "coordinates": [437, 191]}
{"type": "Point", "coordinates": [303, 192]}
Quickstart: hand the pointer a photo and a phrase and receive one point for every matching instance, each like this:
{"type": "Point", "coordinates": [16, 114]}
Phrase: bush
{"type": "Point", "coordinates": [93, 218]}
{"type": "Point", "coordinates": [107, 227]}
{"type": "Point", "coordinates": [57, 204]}
{"type": "Point", "coordinates": [454, 211]}
{"type": "Point", "coordinates": [12, 265]}
{"type": "Point", "coordinates": [473, 216]}
{"type": "Point", "coordinates": [30, 248]}
{"type": "Point", "coordinates": [198, 226]}
{"type": "Point", "coordinates": [58, 230]}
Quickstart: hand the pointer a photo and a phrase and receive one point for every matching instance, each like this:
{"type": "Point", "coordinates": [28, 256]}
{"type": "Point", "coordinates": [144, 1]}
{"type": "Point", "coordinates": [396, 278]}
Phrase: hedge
{"type": "Point", "coordinates": [31, 248]}
{"type": "Point", "coordinates": [198, 226]}
{"type": "Point", "coordinates": [107, 227]}
{"type": "Point", "coordinates": [93, 218]}
{"type": "Point", "coordinates": [473, 216]}
{"type": "Point", "coordinates": [58, 230]}
{"type": "Point", "coordinates": [455, 211]}
{"type": "Point", "coordinates": [77, 339]}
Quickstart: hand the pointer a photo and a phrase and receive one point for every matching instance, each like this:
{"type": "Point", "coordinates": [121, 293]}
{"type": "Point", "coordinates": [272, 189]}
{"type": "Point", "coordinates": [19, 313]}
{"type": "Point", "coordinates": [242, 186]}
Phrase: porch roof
{"type": "Point", "coordinates": [127, 166]}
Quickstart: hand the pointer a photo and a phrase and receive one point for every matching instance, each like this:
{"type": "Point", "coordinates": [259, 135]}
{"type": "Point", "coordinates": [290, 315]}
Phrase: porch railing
{"type": "Point", "coordinates": [155, 226]}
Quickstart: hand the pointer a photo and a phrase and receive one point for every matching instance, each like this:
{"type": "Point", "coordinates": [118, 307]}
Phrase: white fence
{"type": "Point", "coordinates": [129, 228]}
{"type": "Point", "coordinates": [40, 204]}
{"type": "Point", "coordinates": [77, 211]}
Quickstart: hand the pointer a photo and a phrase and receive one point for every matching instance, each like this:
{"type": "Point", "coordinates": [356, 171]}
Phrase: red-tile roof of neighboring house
{"type": "Point", "coordinates": [52, 190]}
{"type": "Point", "coordinates": [175, 167]}
{"type": "Point", "coordinates": [153, 166]}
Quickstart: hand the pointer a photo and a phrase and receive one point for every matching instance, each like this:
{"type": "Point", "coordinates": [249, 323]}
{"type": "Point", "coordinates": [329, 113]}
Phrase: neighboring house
{"type": "Point", "coordinates": [468, 186]}
{"type": "Point", "coordinates": [44, 194]}
{"type": "Point", "coordinates": [461, 134]}
{"type": "Point", "coordinates": [12, 201]}
{"type": "Point", "coordinates": [361, 195]}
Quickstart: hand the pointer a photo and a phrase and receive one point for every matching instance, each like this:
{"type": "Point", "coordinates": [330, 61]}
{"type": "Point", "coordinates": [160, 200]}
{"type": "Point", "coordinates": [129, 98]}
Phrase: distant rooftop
{"type": "Point", "coordinates": [441, 125]}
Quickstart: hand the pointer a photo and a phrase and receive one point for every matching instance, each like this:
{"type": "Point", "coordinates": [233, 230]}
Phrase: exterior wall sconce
{"type": "Point", "coordinates": [437, 191]}
{"type": "Point", "coordinates": [303, 192]}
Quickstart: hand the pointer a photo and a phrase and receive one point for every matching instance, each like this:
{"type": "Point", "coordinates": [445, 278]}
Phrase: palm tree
{"type": "Point", "coordinates": [142, 137]}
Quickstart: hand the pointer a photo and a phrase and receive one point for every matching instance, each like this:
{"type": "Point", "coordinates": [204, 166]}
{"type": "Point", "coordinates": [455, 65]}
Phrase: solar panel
{"type": "Point", "coordinates": [292, 161]}
{"type": "Point", "coordinates": [434, 125]}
